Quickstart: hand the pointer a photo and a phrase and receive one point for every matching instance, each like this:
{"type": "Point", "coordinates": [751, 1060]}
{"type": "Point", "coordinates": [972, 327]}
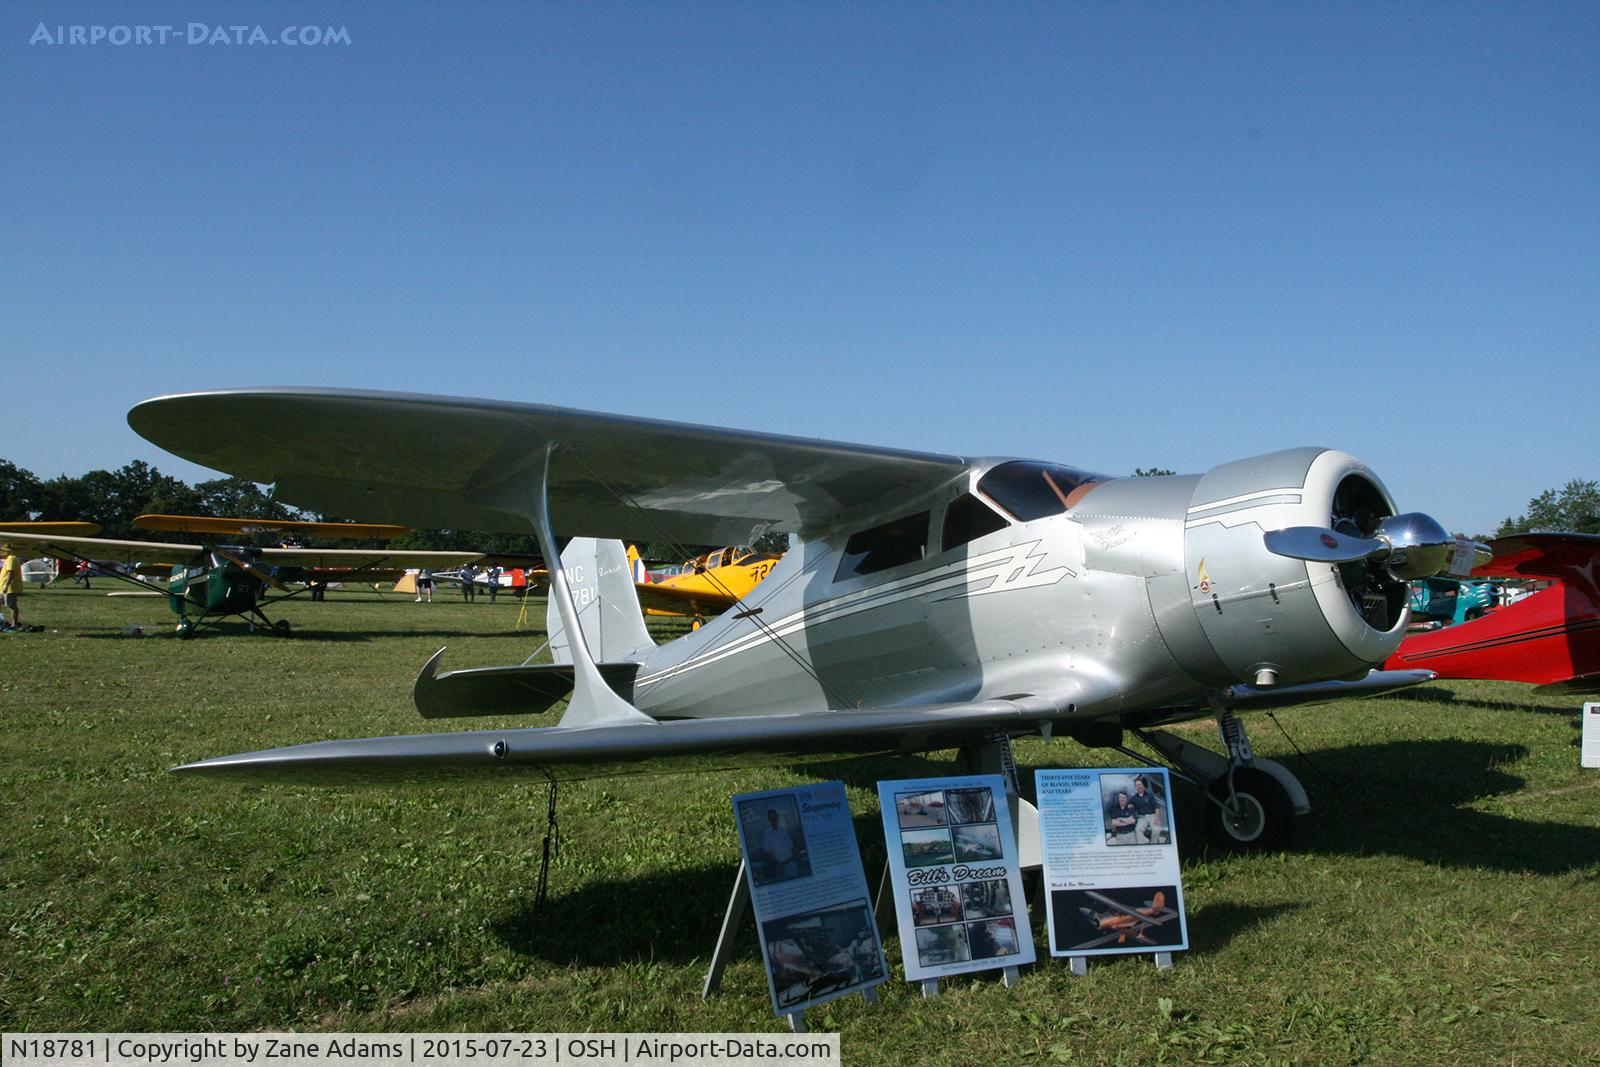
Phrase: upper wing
{"type": "Point", "coordinates": [204, 525]}
{"type": "Point", "coordinates": [1542, 555]}
{"type": "Point", "coordinates": [52, 529]}
{"type": "Point", "coordinates": [436, 462]}
{"type": "Point", "coordinates": [103, 548]}
{"type": "Point", "coordinates": [357, 557]}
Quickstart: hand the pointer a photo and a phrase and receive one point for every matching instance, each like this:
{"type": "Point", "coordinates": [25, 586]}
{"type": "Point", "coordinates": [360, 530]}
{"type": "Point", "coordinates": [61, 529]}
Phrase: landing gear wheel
{"type": "Point", "coordinates": [185, 628]}
{"type": "Point", "coordinates": [281, 627]}
{"type": "Point", "coordinates": [1263, 818]}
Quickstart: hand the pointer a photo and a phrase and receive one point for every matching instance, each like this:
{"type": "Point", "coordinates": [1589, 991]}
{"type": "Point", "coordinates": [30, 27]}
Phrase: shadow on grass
{"type": "Point", "coordinates": [669, 916]}
{"type": "Point", "coordinates": [1450, 698]}
{"type": "Point", "coordinates": [1409, 798]}
{"type": "Point", "coordinates": [1403, 798]}
{"type": "Point", "coordinates": [1214, 925]}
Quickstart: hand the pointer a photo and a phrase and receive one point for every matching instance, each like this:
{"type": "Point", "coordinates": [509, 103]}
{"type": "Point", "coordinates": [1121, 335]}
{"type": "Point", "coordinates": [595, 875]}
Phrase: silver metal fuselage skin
{"type": "Point", "coordinates": [1156, 590]}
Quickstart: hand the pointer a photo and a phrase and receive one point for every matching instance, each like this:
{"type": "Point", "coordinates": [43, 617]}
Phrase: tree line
{"type": "Point", "coordinates": [114, 498]}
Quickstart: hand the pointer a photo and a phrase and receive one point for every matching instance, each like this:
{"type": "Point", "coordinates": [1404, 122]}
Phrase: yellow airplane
{"type": "Point", "coordinates": [52, 529]}
{"type": "Point", "coordinates": [704, 586]}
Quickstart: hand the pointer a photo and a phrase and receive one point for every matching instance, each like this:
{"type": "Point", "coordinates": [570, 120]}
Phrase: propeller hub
{"type": "Point", "coordinates": [1418, 546]}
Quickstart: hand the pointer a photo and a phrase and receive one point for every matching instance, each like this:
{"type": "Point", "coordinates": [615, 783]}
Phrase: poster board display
{"type": "Point", "coordinates": [955, 876]}
{"type": "Point", "coordinates": [819, 938]}
{"type": "Point", "coordinates": [1111, 871]}
{"type": "Point", "coordinates": [1591, 735]}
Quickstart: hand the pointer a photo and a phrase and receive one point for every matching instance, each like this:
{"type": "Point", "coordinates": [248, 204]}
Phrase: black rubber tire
{"type": "Point", "coordinates": [1267, 819]}
{"type": "Point", "coordinates": [281, 627]}
{"type": "Point", "coordinates": [185, 627]}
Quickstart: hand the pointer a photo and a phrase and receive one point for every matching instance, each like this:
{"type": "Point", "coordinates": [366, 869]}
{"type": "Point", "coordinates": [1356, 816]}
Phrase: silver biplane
{"type": "Point", "coordinates": [929, 602]}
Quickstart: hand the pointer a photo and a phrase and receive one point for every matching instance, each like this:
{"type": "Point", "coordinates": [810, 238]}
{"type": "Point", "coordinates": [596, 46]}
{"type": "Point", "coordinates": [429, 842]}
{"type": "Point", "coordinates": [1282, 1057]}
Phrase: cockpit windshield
{"type": "Point", "coordinates": [1029, 490]}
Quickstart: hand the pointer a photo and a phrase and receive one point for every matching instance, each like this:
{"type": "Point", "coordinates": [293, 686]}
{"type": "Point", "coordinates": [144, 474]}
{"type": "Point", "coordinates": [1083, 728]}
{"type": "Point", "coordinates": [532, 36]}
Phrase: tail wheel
{"type": "Point", "coordinates": [1257, 816]}
{"type": "Point", "coordinates": [185, 627]}
{"type": "Point", "coordinates": [281, 627]}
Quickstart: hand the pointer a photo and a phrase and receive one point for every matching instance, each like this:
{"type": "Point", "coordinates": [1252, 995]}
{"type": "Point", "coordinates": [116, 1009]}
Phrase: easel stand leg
{"type": "Point", "coordinates": [1010, 977]}
{"type": "Point", "coordinates": [930, 987]}
{"type": "Point", "coordinates": [738, 901]}
{"type": "Point", "coordinates": [797, 1022]}
{"type": "Point", "coordinates": [883, 894]}
{"type": "Point", "coordinates": [1079, 965]}
{"type": "Point", "coordinates": [1163, 961]}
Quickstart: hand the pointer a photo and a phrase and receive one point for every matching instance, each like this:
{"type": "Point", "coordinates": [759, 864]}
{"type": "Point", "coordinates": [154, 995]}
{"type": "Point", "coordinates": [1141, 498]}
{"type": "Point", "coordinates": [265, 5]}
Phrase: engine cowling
{"type": "Point", "coordinates": [1271, 618]}
{"type": "Point", "coordinates": [1233, 608]}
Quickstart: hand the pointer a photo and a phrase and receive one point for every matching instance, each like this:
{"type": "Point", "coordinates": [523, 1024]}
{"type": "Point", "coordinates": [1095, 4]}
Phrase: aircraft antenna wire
{"type": "Point", "coordinates": [672, 543]}
{"type": "Point", "coordinates": [552, 847]}
{"type": "Point", "coordinates": [1324, 775]}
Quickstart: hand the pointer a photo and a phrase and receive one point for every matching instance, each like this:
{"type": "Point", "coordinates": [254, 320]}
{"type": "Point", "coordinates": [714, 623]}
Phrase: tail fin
{"type": "Point", "coordinates": [601, 581]}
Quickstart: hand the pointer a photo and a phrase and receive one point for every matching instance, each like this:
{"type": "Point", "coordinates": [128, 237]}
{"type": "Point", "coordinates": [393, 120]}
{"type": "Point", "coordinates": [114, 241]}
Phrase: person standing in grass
{"type": "Point", "coordinates": [11, 590]}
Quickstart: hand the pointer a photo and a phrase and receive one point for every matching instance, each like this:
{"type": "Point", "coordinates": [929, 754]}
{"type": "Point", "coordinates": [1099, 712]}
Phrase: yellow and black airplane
{"type": "Point", "coordinates": [704, 586]}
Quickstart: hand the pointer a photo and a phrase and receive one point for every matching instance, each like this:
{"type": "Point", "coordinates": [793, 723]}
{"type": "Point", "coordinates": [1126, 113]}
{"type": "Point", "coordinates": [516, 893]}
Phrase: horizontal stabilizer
{"type": "Point", "coordinates": [522, 690]}
{"type": "Point", "coordinates": [630, 748]}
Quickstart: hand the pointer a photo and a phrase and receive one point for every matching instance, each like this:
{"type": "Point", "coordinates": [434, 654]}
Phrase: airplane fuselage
{"type": "Point", "coordinates": [996, 586]}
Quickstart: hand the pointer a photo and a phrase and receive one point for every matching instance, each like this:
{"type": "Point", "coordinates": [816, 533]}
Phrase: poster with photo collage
{"type": "Point", "coordinates": [819, 937]}
{"type": "Point", "coordinates": [957, 883]}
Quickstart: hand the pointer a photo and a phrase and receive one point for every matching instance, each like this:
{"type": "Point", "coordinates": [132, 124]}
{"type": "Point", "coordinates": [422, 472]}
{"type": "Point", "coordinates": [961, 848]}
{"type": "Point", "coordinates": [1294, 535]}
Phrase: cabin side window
{"type": "Point", "coordinates": [967, 519]}
{"type": "Point", "coordinates": [890, 545]}
{"type": "Point", "coordinates": [1029, 490]}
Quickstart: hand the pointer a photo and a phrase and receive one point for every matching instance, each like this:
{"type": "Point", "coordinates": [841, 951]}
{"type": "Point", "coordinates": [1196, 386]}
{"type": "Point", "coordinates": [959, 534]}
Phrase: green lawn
{"type": "Point", "coordinates": [1437, 905]}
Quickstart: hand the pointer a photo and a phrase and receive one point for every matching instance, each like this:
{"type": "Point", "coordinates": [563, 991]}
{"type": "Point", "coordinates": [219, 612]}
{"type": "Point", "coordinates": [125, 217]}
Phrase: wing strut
{"type": "Point", "coordinates": [593, 702]}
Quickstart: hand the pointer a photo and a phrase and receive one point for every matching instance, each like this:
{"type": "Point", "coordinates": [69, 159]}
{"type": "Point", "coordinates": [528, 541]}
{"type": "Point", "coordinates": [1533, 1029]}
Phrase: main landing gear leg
{"type": "Point", "coordinates": [992, 755]}
{"type": "Point", "coordinates": [281, 627]}
{"type": "Point", "coordinates": [1251, 803]}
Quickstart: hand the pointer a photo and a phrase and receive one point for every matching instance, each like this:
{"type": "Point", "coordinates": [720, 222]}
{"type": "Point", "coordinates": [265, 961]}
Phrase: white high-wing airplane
{"type": "Point", "coordinates": [932, 601]}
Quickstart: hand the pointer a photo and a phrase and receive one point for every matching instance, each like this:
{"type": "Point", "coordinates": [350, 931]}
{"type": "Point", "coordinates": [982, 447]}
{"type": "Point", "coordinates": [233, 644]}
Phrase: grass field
{"type": "Point", "coordinates": [1439, 904]}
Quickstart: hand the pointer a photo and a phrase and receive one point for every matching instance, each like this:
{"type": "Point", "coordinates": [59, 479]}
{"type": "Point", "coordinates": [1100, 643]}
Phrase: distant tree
{"type": "Point", "coordinates": [239, 498]}
{"type": "Point", "coordinates": [1153, 472]}
{"type": "Point", "coordinates": [19, 492]}
{"type": "Point", "coordinates": [1574, 508]}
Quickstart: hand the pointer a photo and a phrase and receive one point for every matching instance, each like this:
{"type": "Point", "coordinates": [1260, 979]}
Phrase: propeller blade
{"type": "Point", "coordinates": [251, 569]}
{"type": "Point", "coordinates": [1410, 546]}
{"type": "Point", "coordinates": [1321, 545]}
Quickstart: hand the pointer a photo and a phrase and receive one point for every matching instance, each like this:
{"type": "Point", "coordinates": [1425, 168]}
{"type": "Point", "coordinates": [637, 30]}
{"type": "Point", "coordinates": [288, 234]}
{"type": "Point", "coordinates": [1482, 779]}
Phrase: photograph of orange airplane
{"type": "Point", "coordinates": [704, 586]}
{"type": "Point", "coordinates": [1119, 922]}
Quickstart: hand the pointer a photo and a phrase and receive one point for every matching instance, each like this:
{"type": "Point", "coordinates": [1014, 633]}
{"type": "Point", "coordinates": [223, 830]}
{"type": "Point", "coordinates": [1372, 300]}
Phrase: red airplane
{"type": "Point", "coordinates": [1551, 638]}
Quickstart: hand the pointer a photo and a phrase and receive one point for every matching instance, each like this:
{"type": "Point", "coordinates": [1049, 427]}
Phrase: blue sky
{"type": "Point", "coordinates": [1115, 235]}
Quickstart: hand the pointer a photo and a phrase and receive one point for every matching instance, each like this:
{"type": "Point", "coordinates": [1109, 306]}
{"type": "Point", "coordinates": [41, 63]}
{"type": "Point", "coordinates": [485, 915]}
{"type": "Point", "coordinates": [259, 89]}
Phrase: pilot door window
{"type": "Point", "coordinates": [890, 545]}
